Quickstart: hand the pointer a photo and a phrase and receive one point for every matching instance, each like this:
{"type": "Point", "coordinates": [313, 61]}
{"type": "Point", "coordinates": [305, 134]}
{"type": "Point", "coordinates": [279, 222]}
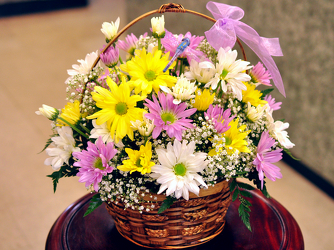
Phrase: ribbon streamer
{"type": "Point", "coordinates": [225, 31]}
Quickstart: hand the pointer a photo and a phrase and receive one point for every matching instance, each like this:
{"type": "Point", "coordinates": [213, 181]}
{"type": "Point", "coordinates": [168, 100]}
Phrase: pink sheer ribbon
{"type": "Point", "coordinates": [225, 31]}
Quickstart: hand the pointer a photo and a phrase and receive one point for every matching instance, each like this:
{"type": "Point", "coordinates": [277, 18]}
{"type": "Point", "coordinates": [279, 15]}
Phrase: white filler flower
{"type": "Point", "coordinates": [178, 172]}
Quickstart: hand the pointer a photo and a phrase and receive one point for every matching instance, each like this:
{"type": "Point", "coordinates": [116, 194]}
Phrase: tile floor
{"type": "Point", "coordinates": [35, 51]}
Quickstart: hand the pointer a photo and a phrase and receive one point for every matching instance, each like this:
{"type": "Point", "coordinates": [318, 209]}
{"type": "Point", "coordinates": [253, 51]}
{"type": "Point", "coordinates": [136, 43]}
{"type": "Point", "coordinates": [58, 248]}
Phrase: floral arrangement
{"type": "Point", "coordinates": [175, 116]}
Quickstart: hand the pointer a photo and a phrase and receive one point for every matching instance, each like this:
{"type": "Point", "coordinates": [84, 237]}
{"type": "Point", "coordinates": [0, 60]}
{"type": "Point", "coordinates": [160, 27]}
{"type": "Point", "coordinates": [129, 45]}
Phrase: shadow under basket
{"type": "Point", "coordinates": [184, 224]}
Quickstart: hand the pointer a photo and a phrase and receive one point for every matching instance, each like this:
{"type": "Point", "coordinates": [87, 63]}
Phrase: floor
{"type": "Point", "coordinates": [35, 51]}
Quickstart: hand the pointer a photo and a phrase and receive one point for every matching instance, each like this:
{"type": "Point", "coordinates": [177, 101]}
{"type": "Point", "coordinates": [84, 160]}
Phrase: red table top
{"type": "Point", "coordinates": [273, 228]}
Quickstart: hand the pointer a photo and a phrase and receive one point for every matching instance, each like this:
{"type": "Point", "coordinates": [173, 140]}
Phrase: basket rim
{"type": "Point", "coordinates": [169, 7]}
{"type": "Point", "coordinates": [202, 193]}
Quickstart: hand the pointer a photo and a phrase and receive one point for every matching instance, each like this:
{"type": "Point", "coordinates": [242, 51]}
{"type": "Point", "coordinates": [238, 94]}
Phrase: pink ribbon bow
{"type": "Point", "coordinates": [225, 31]}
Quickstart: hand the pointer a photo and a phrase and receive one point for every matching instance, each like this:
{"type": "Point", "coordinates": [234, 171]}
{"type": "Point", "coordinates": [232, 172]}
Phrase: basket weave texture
{"type": "Point", "coordinates": [184, 224]}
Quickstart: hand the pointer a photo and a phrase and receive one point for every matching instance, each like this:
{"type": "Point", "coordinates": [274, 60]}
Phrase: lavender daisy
{"type": "Point", "coordinates": [94, 162]}
{"type": "Point", "coordinates": [110, 57]}
{"type": "Point", "coordinates": [220, 118]}
{"type": "Point", "coordinates": [170, 43]}
{"type": "Point", "coordinates": [169, 116]}
{"type": "Point", "coordinates": [265, 158]}
{"type": "Point", "coordinates": [129, 45]}
{"type": "Point", "coordinates": [273, 105]}
{"type": "Point", "coordinates": [260, 75]}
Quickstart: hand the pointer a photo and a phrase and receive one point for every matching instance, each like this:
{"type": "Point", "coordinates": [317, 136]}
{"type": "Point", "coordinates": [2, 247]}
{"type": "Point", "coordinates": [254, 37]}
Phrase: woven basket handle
{"type": "Point", "coordinates": [169, 7]}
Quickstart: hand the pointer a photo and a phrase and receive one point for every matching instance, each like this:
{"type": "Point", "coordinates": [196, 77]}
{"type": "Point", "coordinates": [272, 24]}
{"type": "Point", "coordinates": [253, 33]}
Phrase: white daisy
{"type": "Point", "coordinates": [178, 172]}
{"type": "Point", "coordinates": [110, 29]}
{"type": "Point", "coordinates": [65, 146]}
{"type": "Point", "coordinates": [199, 73]}
{"type": "Point", "coordinates": [229, 72]}
{"type": "Point", "coordinates": [85, 65]}
{"type": "Point", "coordinates": [101, 130]}
{"type": "Point", "coordinates": [277, 130]}
{"type": "Point", "coordinates": [182, 91]}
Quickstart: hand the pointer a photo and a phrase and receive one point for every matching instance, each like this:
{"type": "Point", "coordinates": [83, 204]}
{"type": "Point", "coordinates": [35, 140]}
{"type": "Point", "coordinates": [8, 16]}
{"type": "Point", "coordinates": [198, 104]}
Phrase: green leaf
{"type": "Point", "coordinates": [247, 203]}
{"type": "Point", "coordinates": [95, 202]}
{"type": "Point", "coordinates": [265, 192]}
{"type": "Point", "coordinates": [64, 171]}
{"type": "Point", "coordinates": [46, 145]}
{"type": "Point", "coordinates": [55, 178]}
{"type": "Point", "coordinates": [246, 186]}
{"type": "Point", "coordinates": [289, 153]}
{"type": "Point", "coordinates": [235, 194]}
{"type": "Point", "coordinates": [265, 92]}
{"type": "Point", "coordinates": [166, 204]}
{"type": "Point", "coordinates": [244, 213]}
{"type": "Point", "coordinates": [233, 185]}
{"type": "Point", "coordinates": [245, 193]}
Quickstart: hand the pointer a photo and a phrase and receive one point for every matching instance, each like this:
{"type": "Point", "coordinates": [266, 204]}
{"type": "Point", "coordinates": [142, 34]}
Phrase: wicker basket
{"type": "Point", "coordinates": [184, 224]}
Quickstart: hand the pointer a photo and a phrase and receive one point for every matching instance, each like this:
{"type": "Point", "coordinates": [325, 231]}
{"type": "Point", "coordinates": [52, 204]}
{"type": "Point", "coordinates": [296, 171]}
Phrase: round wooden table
{"type": "Point", "coordinates": [273, 228]}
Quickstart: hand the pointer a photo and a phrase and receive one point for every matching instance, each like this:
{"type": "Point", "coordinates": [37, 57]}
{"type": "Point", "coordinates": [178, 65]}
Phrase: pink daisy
{"type": "Point", "coordinates": [94, 162]}
{"type": "Point", "coordinates": [170, 43]}
{"type": "Point", "coordinates": [260, 75]}
{"type": "Point", "coordinates": [272, 104]}
{"type": "Point", "coordinates": [220, 118]}
{"type": "Point", "coordinates": [265, 158]}
{"type": "Point", "coordinates": [169, 116]}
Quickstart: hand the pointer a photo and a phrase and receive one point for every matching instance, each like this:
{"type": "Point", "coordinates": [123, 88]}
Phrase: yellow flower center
{"type": "Point", "coordinates": [180, 169]}
{"type": "Point", "coordinates": [168, 117]}
{"type": "Point", "coordinates": [98, 164]}
{"type": "Point", "coordinates": [121, 108]}
{"type": "Point", "coordinates": [150, 75]}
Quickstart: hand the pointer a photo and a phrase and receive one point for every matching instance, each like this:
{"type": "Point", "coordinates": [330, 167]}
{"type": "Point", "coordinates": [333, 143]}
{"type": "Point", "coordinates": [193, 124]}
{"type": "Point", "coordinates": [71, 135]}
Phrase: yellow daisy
{"type": "Point", "coordinates": [70, 113]}
{"type": "Point", "coordinates": [203, 100]}
{"type": "Point", "coordinates": [118, 108]}
{"type": "Point", "coordinates": [234, 139]}
{"type": "Point", "coordinates": [146, 71]}
{"type": "Point", "coordinates": [252, 95]}
{"type": "Point", "coordinates": [140, 160]}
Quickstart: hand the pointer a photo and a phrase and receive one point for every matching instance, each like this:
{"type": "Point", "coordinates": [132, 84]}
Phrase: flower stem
{"type": "Point", "coordinates": [159, 43]}
{"type": "Point", "coordinates": [84, 128]}
{"type": "Point", "coordinates": [73, 127]}
{"type": "Point", "coordinates": [181, 67]}
{"type": "Point", "coordinates": [119, 78]}
{"type": "Point", "coordinates": [120, 60]}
